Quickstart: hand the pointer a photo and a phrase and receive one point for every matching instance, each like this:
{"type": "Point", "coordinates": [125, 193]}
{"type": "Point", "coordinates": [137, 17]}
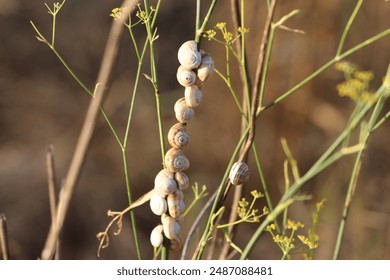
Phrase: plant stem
{"type": "Point", "coordinates": [199, 32]}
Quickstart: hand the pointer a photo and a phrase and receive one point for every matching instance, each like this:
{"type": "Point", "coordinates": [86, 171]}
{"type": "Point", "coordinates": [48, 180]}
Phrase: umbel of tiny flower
{"type": "Point", "coordinates": [356, 84]}
{"type": "Point", "coordinates": [227, 36]}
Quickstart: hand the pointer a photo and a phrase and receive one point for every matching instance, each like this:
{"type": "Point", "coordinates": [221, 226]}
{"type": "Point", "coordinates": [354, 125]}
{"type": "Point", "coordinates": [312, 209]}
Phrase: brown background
{"type": "Point", "coordinates": [40, 104]}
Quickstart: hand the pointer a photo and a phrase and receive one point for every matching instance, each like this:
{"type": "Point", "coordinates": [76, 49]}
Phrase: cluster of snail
{"type": "Point", "coordinates": [170, 183]}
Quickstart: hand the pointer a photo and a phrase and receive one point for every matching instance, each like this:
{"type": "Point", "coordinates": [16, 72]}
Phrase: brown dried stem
{"type": "Point", "coordinates": [86, 133]}
{"type": "Point", "coordinates": [4, 244]}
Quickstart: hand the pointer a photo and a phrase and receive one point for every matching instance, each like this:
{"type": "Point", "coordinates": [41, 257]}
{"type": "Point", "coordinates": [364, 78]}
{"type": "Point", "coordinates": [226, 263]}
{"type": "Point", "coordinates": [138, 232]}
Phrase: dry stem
{"type": "Point", "coordinates": [4, 237]}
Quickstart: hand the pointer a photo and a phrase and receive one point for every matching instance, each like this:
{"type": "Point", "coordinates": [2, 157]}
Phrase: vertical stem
{"type": "Point", "coordinates": [4, 245]}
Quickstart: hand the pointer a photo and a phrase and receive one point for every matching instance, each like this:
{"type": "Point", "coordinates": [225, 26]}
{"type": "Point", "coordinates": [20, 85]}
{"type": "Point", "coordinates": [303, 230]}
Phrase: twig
{"type": "Point", "coordinates": [86, 131]}
{"type": "Point", "coordinates": [51, 179]}
{"type": "Point", "coordinates": [4, 237]}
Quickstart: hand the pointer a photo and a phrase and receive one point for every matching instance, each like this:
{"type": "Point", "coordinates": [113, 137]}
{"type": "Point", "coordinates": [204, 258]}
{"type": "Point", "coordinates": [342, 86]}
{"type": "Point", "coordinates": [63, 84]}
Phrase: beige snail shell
{"type": "Point", "coordinates": [175, 244]}
{"type": "Point", "coordinates": [158, 204]}
{"type": "Point", "coordinates": [239, 174]}
{"type": "Point", "coordinates": [183, 112]}
{"type": "Point", "coordinates": [176, 205]}
{"type": "Point", "coordinates": [185, 77]}
{"type": "Point", "coordinates": [178, 136]}
{"type": "Point", "coordinates": [206, 67]}
{"type": "Point", "coordinates": [189, 56]}
{"type": "Point", "coordinates": [176, 161]}
{"type": "Point", "coordinates": [182, 181]}
{"type": "Point", "coordinates": [164, 183]}
{"type": "Point", "coordinates": [192, 96]}
{"type": "Point", "coordinates": [171, 227]}
{"type": "Point", "coordinates": [156, 236]}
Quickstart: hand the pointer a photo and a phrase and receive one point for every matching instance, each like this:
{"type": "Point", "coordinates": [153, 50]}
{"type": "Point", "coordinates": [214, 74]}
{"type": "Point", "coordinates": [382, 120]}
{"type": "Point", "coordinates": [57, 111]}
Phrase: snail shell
{"type": "Point", "coordinates": [178, 136]}
{"type": "Point", "coordinates": [183, 112]}
{"type": "Point", "coordinates": [175, 244]}
{"type": "Point", "coordinates": [206, 67]}
{"type": "Point", "coordinates": [189, 56]}
{"type": "Point", "coordinates": [171, 227]}
{"type": "Point", "coordinates": [164, 183]}
{"type": "Point", "coordinates": [193, 96]}
{"type": "Point", "coordinates": [156, 236]}
{"type": "Point", "coordinates": [239, 174]}
{"type": "Point", "coordinates": [176, 205]}
{"type": "Point", "coordinates": [182, 181]}
{"type": "Point", "coordinates": [176, 161]}
{"type": "Point", "coordinates": [185, 77]}
{"type": "Point", "coordinates": [158, 204]}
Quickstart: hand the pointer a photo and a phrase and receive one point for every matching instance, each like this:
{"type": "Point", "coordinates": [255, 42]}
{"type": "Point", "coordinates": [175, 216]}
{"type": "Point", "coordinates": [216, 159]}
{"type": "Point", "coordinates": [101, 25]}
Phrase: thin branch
{"type": "Point", "coordinates": [4, 237]}
{"type": "Point", "coordinates": [86, 134]}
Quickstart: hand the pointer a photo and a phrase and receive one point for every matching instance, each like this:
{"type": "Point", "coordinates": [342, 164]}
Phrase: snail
{"type": "Point", "coordinates": [175, 244]}
{"type": "Point", "coordinates": [156, 236]}
{"type": "Point", "coordinates": [192, 96]}
{"type": "Point", "coordinates": [164, 183]}
{"type": "Point", "coordinates": [189, 56]}
{"type": "Point", "coordinates": [171, 227]}
{"type": "Point", "coordinates": [185, 77]}
{"type": "Point", "coordinates": [176, 205]}
{"type": "Point", "coordinates": [178, 136]}
{"type": "Point", "coordinates": [239, 174]}
{"type": "Point", "coordinates": [183, 112]}
{"type": "Point", "coordinates": [206, 67]}
{"type": "Point", "coordinates": [182, 181]}
{"type": "Point", "coordinates": [176, 161]}
{"type": "Point", "coordinates": [158, 204]}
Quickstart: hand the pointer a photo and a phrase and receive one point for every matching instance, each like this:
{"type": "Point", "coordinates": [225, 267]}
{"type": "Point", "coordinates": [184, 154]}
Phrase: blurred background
{"type": "Point", "coordinates": [40, 104]}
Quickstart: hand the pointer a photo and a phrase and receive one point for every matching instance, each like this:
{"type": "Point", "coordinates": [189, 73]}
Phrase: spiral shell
{"type": "Point", "coordinates": [193, 96]}
{"type": "Point", "coordinates": [206, 67]}
{"type": "Point", "coordinates": [178, 136]}
{"type": "Point", "coordinates": [176, 161]}
{"type": "Point", "coordinates": [158, 204]}
{"type": "Point", "coordinates": [171, 227]}
{"type": "Point", "coordinates": [185, 77]}
{"type": "Point", "coordinates": [183, 112]}
{"type": "Point", "coordinates": [175, 244]}
{"type": "Point", "coordinates": [176, 205]}
{"type": "Point", "coordinates": [189, 56]}
{"type": "Point", "coordinates": [182, 181]}
{"type": "Point", "coordinates": [164, 183]}
{"type": "Point", "coordinates": [156, 236]}
{"type": "Point", "coordinates": [239, 174]}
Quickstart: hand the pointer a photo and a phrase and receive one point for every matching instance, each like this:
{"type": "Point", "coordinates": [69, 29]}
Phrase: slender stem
{"type": "Point", "coordinates": [324, 67]}
{"type": "Point", "coordinates": [199, 32]}
{"type": "Point", "coordinates": [348, 26]}
{"type": "Point", "coordinates": [197, 16]}
{"type": "Point", "coordinates": [4, 244]}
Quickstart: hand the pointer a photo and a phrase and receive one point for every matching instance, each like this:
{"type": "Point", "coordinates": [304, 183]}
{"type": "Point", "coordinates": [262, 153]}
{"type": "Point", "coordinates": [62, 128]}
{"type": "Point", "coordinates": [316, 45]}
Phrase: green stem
{"type": "Point", "coordinates": [348, 26]}
{"type": "Point", "coordinates": [199, 32]}
{"type": "Point", "coordinates": [323, 68]}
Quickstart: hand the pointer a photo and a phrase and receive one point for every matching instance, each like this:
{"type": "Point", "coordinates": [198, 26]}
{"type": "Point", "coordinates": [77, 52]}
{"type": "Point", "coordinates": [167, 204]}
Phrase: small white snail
{"type": "Point", "coordinates": [193, 96]}
{"type": "Point", "coordinates": [164, 183]}
{"type": "Point", "coordinates": [171, 227]}
{"type": "Point", "coordinates": [183, 112]}
{"type": "Point", "coordinates": [239, 174]}
{"type": "Point", "coordinates": [176, 161]}
{"type": "Point", "coordinates": [156, 236]}
{"type": "Point", "coordinates": [176, 205]}
{"type": "Point", "coordinates": [182, 181]}
{"type": "Point", "coordinates": [189, 56]}
{"type": "Point", "coordinates": [206, 67]}
{"type": "Point", "coordinates": [185, 77]}
{"type": "Point", "coordinates": [158, 204]}
{"type": "Point", "coordinates": [178, 136]}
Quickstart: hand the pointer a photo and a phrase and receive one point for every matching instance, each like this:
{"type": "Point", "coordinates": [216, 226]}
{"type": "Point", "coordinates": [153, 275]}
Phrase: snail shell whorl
{"type": "Point", "coordinates": [176, 161]}
{"type": "Point", "coordinates": [193, 96]}
{"type": "Point", "coordinates": [182, 181]}
{"type": "Point", "coordinates": [239, 174]}
{"type": "Point", "coordinates": [183, 112]}
{"type": "Point", "coordinates": [164, 183]}
{"type": "Point", "coordinates": [158, 204]}
{"type": "Point", "coordinates": [171, 227]}
{"type": "Point", "coordinates": [156, 236]}
{"type": "Point", "coordinates": [206, 67]}
{"type": "Point", "coordinates": [176, 205]}
{"type": "Point", "coordinates": [178, 136]}
{"type": "Point", "coordinates": [189, 56]}
{"type": "Point", "coordinates": [185, 77]}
